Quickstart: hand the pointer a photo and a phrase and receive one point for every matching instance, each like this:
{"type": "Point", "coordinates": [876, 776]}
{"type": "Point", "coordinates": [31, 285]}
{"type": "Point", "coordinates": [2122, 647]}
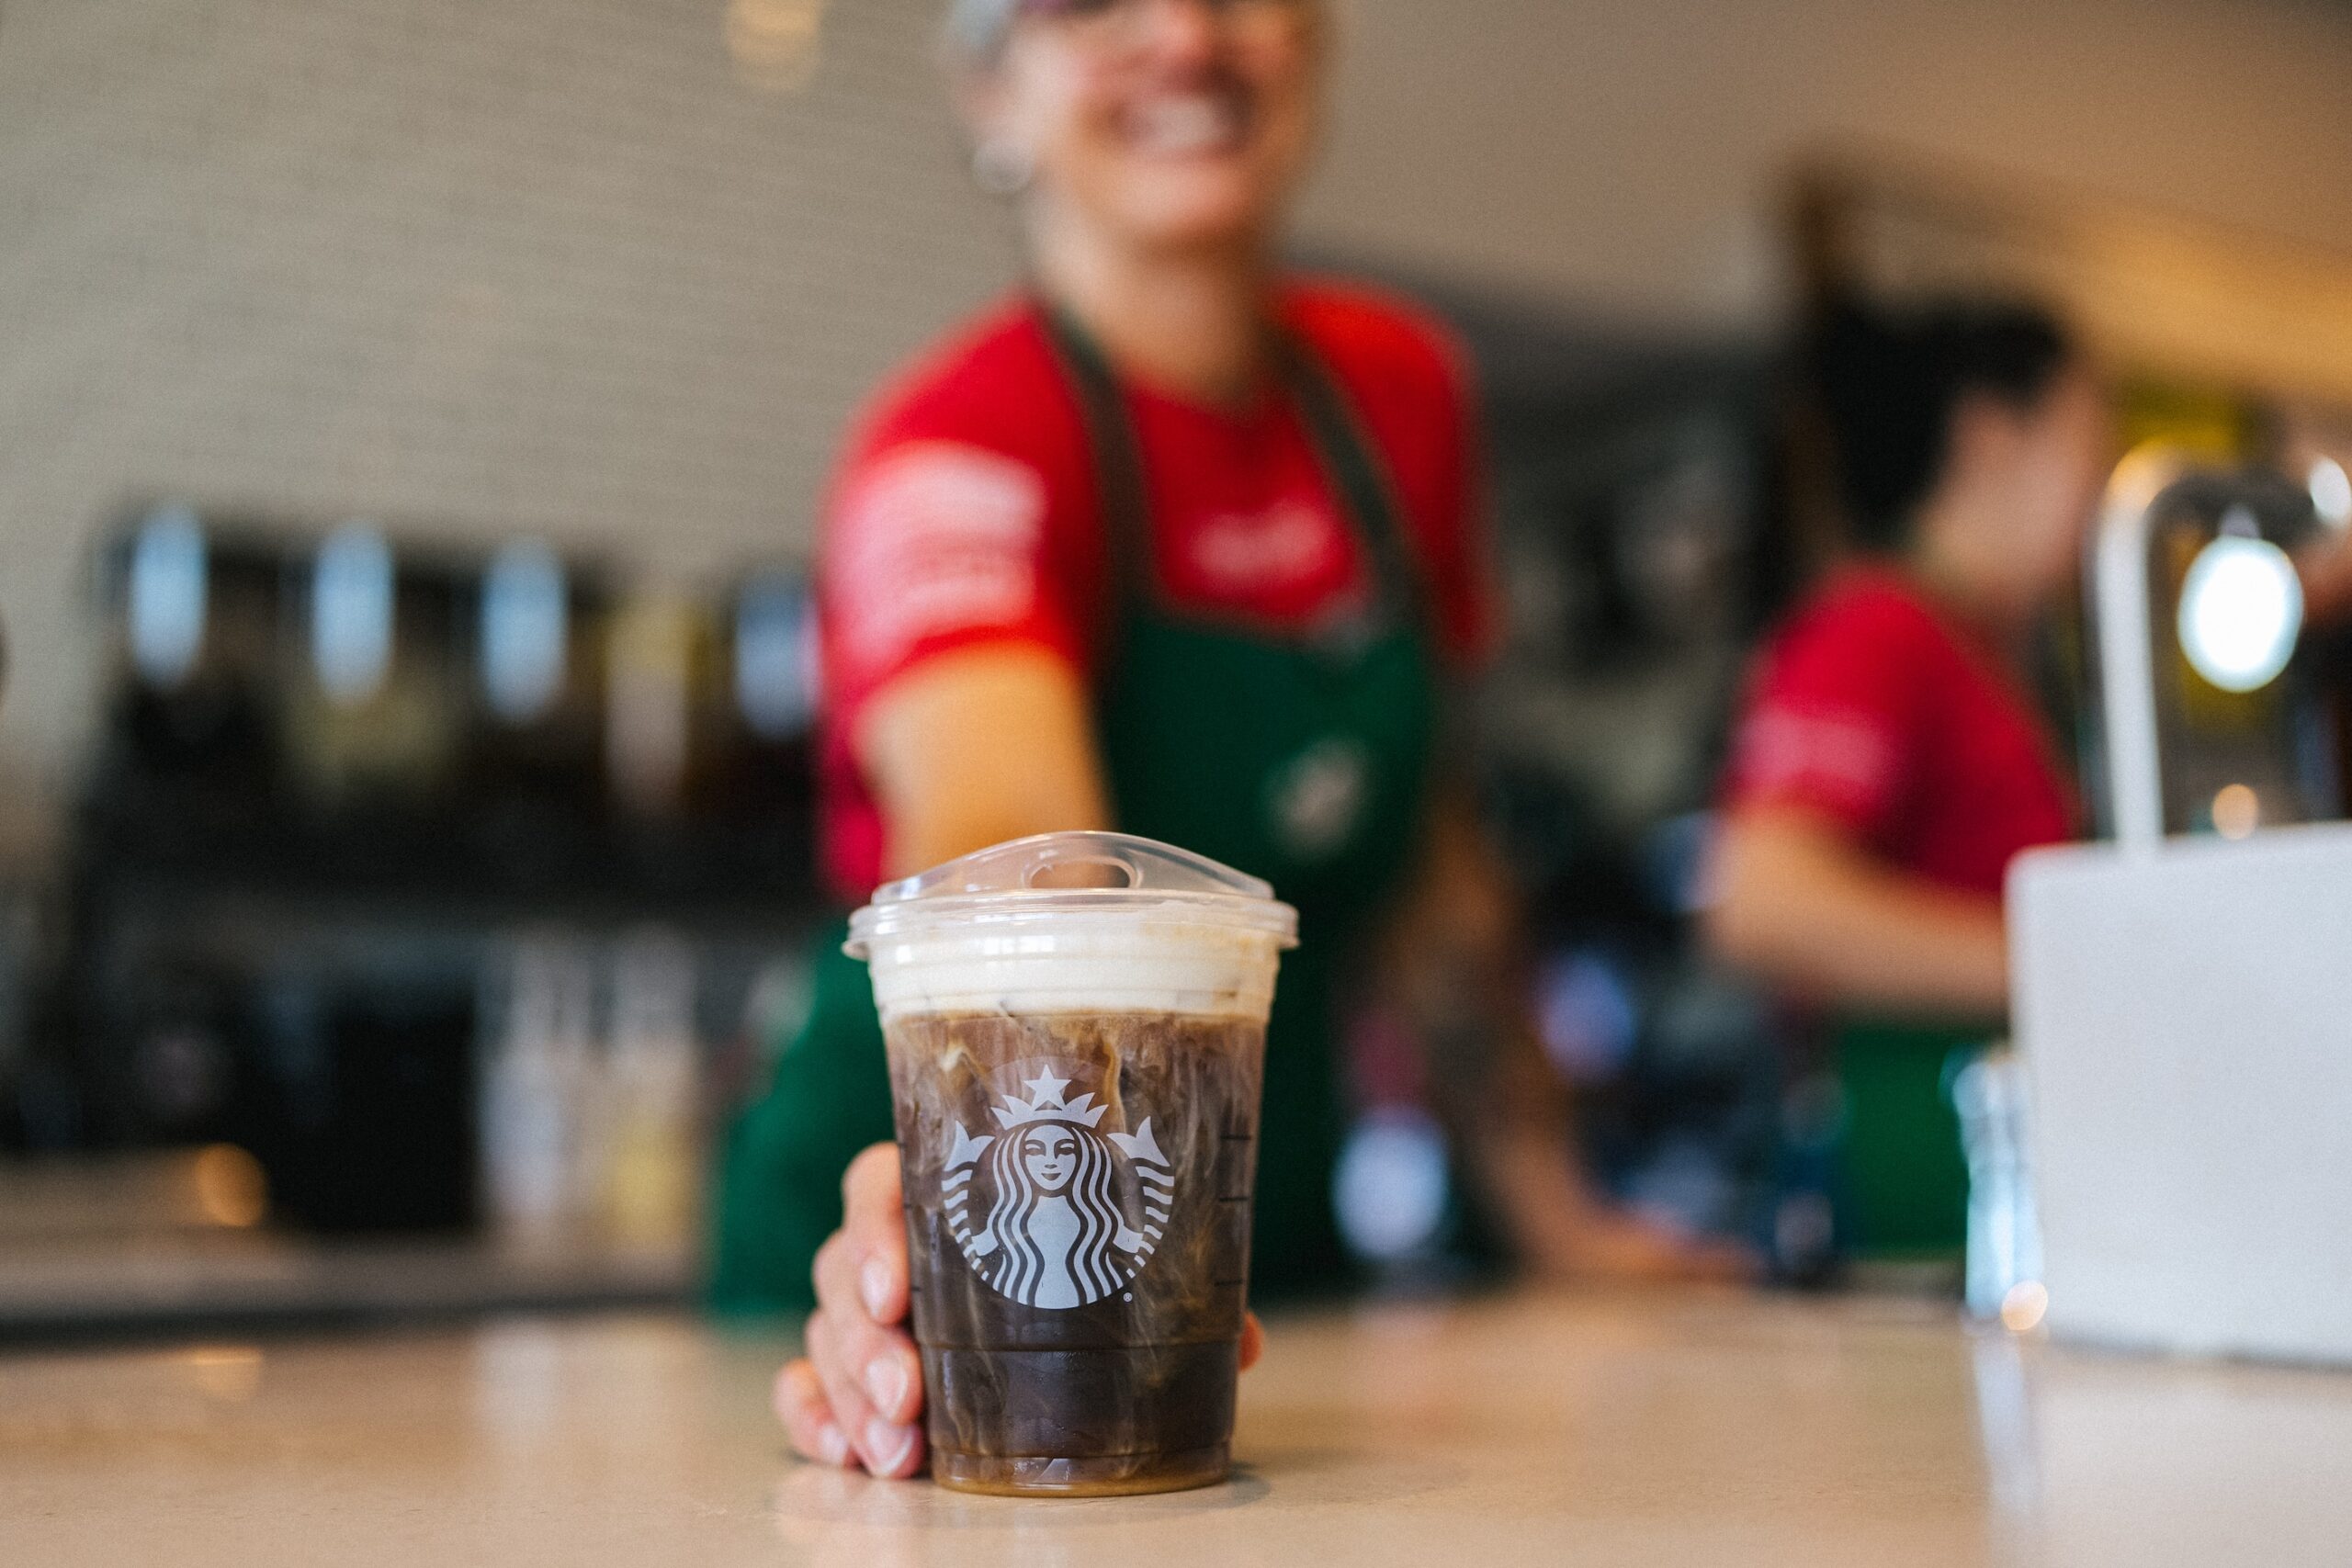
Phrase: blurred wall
{"type": "Point", "coordinates": [566, 265]}
{"type": "Point", "coordinates": [1626, 156]}
{"type": "Point", "coordinates": [556, 264]}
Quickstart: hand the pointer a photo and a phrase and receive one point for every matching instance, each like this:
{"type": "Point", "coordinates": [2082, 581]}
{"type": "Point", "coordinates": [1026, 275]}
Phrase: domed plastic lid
{"type": "Point", "coordinates": [1078, 875]}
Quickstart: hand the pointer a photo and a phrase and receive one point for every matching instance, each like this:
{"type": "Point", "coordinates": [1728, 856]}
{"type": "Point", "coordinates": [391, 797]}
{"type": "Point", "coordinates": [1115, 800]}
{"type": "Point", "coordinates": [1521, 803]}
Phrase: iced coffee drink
{"type": "Point", "coordinates": [1076, 1071]}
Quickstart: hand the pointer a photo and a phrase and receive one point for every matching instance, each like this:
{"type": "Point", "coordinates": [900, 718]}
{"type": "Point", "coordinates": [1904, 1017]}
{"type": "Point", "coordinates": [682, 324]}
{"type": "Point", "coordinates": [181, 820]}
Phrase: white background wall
{"type": "Point", "coordinates": [554, 265]}
{"type": "Point", "coordinates": [1626, 155]}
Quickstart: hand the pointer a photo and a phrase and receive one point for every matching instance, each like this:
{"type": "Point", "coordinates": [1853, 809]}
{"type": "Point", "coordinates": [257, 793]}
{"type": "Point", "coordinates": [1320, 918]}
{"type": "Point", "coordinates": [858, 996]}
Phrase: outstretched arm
{"type": "Point", "coordinates": [1796, 902]}
{"type": "Point", "coordinates": [1454, 964]}
{"type": "Point", "coordinates": [971, 749]}
{"type": "Point", "coordinates": [966, 751]}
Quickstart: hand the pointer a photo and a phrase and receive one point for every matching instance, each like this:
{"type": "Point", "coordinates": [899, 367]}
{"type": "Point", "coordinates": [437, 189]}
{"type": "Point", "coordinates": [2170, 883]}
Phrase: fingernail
{"type": "Point", "coordinates": [873, 1282]}
{"type": "Point", "coordinates": [885, 1384]}
{"type": "Point", "coordinates": [832, 1447]}
{"type": "Point", "coordinates": [887, 1444]}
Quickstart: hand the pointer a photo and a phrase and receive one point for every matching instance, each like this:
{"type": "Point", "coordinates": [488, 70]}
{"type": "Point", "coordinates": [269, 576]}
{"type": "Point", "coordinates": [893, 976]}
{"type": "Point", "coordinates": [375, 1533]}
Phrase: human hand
{"type": "Point", "coordinates": [855, 1398]}
{"type": "Point", "coordinates": [1611, 1243]}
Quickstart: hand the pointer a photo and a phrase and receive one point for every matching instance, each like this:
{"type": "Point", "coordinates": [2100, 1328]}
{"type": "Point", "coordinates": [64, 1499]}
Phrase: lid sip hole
{"type": "Point", "coordinates": [1082, 872]}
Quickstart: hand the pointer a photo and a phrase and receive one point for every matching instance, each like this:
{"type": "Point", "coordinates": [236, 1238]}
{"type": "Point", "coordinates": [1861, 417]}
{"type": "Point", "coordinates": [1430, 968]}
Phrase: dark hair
{"type": "Point", "coordinates": [1888, 379]}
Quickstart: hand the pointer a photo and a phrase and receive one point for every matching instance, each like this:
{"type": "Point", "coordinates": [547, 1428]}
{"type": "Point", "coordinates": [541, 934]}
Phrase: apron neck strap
{"type": "Point", "coordinates": [1120, 490]}
{"type": "Point", "coordinates": [1367, 506]}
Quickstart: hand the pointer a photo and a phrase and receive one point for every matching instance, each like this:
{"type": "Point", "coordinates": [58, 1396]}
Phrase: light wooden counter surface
{"type": "Point", "coordinates": [1672, 1431]}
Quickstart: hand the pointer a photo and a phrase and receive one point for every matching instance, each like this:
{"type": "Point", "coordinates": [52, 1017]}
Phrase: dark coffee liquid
{"type": "Point", "coordinates": [1078, 1220]}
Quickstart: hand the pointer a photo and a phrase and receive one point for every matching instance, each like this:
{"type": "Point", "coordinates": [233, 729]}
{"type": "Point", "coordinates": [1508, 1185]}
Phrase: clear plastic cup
{"type": "Point", "coordinates": [1076, 1028]}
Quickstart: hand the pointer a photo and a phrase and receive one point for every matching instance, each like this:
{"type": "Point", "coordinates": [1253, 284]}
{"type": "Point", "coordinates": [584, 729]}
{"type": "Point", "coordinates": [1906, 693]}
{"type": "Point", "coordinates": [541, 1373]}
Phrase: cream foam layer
{"type": "Point", "coordinates": [1094, 963]}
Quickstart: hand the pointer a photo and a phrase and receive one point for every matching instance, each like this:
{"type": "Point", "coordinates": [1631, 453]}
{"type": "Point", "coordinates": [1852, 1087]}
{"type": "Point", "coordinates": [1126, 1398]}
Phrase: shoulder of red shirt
{"type": "Point", "coordinates": [992, 393]}
{"type": "Point", "coordinates": [1834, 696]}
{"type": "Point", "coordinates": [1410, 381]}
{"type": "Point", "coordinates": [1864, 602]}
{"type": "Point", "coordinates": [995, 380]}
{"type": "Point", "coordinates": [1370, 335]}
{"type": "Point", "coordinates": [1874, 709]}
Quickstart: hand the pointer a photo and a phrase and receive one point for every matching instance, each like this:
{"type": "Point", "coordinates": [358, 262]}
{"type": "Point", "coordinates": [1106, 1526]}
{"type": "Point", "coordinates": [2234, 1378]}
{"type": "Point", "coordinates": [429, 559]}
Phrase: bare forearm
{"type": "Point", "coordinates": [977, 748]}
{"type": "Point", "coordinates": [1800, 909]}
{"type": "Point", "coordinates": [1457, 965]}
{"type": "Point", "coordinates": [1538, 1196]}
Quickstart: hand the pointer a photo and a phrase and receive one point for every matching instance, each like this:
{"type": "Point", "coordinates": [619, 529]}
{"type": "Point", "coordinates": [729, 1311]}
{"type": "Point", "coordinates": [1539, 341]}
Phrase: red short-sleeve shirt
{"type": "Point", "coordinates": [1869, 708]}
{"type": "Point", "coordinates": [965, 513]}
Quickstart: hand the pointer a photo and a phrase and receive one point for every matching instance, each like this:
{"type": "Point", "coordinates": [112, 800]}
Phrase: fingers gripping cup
{"type": "Point", "coordinates": [1076, 1028]}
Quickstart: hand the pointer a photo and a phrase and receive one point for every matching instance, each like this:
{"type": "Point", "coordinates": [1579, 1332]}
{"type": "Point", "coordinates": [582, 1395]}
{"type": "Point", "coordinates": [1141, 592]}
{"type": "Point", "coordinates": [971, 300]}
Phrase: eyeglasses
{"type": "Point", "coordinates": [1124, 18]}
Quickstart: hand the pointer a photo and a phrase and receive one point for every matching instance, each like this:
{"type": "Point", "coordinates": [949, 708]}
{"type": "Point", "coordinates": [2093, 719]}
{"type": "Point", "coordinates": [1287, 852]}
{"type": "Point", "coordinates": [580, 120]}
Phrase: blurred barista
{"type": "Point", "coordinates": [1171, 542]}
{"type": "Point", "coordinates": [1889, 761]}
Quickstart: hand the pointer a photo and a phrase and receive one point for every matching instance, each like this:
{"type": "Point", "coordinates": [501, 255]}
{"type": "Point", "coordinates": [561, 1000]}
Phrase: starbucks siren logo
{"type": "Point", "coordinates": [1055, 1231]}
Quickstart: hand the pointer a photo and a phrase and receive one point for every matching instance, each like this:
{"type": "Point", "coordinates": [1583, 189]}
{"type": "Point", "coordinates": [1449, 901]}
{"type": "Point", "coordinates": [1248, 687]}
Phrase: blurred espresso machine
{"type": "Point", "coordinates": [2207, 721]}
{"type": "Point", "coordinates": [358, 792]}
{"type": "Point", "coordinates": [2182, 1002]}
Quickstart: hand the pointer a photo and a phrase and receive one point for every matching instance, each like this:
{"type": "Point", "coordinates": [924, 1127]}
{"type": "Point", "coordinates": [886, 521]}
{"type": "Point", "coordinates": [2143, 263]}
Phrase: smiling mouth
{"type": "Point", "coordinates": [1190, 125]}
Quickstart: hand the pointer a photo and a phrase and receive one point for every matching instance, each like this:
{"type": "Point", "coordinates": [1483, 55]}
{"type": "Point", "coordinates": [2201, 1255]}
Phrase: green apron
{"type": "Point", "coordinates": [1902, 1170]}
{"type": "Point", "coordinates": [1303, 758]}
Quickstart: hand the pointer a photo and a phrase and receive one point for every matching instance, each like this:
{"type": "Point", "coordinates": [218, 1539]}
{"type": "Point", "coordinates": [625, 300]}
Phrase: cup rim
{"type": "Point", "coordinates": [994, 887]}
{"type": "Point", "coordinates": [944, 917]}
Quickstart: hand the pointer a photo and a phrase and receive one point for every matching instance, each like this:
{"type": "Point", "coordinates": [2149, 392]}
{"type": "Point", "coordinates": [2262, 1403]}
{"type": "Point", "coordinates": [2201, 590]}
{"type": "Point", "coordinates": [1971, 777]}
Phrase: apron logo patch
{"type": "Point", "coordinates": [1317, 796]}
{"type": "Point", "coordinates": [1051, 1210]}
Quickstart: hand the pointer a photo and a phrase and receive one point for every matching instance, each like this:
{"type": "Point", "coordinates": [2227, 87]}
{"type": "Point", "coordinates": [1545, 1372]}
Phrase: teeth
{"type": "Point", "coordinates": [1188, 125]}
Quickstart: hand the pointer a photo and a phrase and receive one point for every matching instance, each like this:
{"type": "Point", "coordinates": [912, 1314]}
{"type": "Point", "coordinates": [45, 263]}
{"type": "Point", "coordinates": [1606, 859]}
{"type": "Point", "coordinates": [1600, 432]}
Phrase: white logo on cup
{"type": "Point", "coordinates": [1053, 1194]}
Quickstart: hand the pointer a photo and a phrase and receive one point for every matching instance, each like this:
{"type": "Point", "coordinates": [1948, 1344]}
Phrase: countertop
{"type": "Point", "coordinates": [1594, 1430]}
{"type": "Point", "coordinates": [245, 1282]}
{"type": "Point", "coordinates": [136, 1246]}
